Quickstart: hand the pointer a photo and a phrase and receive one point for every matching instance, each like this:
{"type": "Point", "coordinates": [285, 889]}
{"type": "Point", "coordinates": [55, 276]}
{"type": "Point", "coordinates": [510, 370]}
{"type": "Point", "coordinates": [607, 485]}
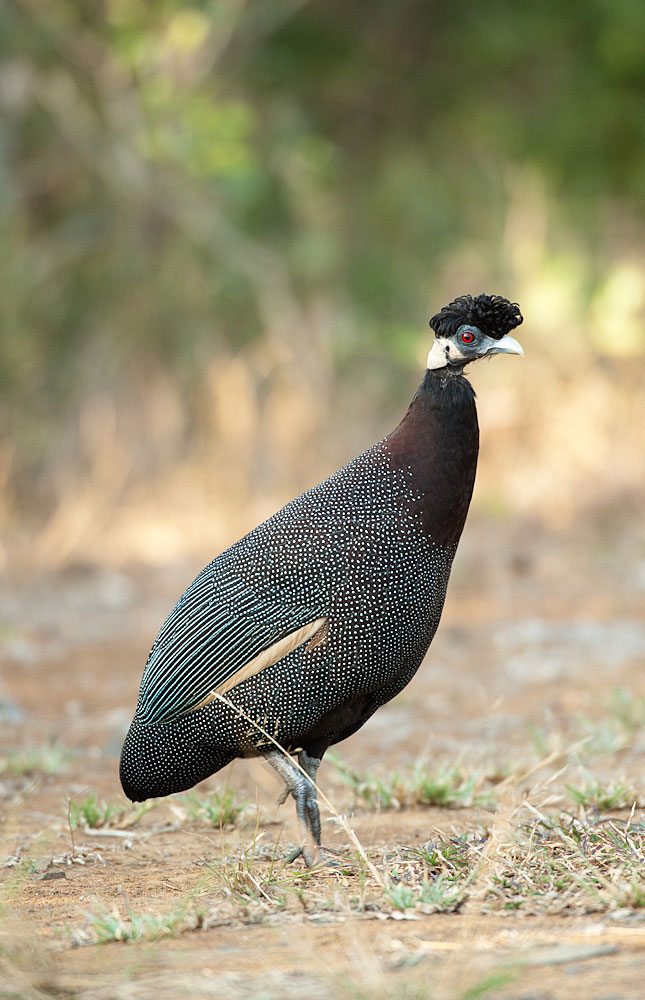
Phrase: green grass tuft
{"type": "Point", "coordinates": [50, 759]}
{"type": "Point", "coordinates": [443, 895]}
{"type": "Point", "coordinates": [94, 814]}
{"type": "Point", "coordinates": [494, 981]}
{"type": "Point", "coordinates": [218, 809]}
{"type": "Point", "coordinates": [419, 785]}
{"type": "Point", "coordinates": [602, 797]}
{"type": "Point", "coordinates": [112, 926]}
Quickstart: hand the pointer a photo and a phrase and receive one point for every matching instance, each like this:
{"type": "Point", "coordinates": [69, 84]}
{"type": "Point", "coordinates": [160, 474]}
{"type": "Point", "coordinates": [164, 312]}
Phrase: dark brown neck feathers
{"type": "Point", "coordinates": [439, 439]}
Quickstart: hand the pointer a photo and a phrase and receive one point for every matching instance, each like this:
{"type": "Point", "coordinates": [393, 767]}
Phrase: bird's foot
{"type": "Point", "coordinates": [314, 858]}
{"type": "Point", "coordinates": [310, 854]}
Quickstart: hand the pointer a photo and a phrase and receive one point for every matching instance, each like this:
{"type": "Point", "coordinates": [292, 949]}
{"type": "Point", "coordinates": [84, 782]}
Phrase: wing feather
{"type": "Point", "coordinates": [219, 633]}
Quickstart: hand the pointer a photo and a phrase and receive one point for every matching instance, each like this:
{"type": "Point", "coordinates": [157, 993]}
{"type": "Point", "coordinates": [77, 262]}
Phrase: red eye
{"type": "Point", "coordinates": [467, 337]}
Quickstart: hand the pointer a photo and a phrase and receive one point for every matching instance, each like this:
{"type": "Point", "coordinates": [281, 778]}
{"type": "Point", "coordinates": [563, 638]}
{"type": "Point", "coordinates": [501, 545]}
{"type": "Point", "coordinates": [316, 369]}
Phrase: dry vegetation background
{"type": "Point", "coordinates": [223, 227]}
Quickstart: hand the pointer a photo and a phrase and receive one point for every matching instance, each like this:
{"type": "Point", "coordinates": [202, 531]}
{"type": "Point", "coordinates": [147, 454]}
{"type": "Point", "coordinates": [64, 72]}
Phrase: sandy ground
{"type": "Point", "coordinates": [539, 632]}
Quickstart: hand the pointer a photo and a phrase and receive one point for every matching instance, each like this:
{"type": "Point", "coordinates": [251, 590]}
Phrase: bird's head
{"type": "Point", "coordinates": [471, 328]}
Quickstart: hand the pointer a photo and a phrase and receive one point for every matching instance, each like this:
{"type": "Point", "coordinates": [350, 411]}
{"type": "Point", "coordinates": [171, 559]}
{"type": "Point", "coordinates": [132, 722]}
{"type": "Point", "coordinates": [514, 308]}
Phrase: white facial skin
{"type": "Point", "coordinates": [468, 344]}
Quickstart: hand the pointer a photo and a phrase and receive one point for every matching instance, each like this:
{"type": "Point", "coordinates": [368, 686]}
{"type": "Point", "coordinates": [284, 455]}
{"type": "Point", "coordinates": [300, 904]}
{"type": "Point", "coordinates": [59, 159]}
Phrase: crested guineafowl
{"type": "Point", "coordinates": [291, 639]}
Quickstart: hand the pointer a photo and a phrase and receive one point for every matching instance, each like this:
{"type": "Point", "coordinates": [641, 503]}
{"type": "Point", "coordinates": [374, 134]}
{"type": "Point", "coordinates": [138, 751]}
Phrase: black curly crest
{"type": "Point", "coordinates": [492, 314]}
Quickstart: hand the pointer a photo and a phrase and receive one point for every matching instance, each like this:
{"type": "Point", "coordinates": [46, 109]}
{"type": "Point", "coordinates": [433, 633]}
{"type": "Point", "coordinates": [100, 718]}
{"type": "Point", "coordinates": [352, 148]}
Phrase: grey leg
{"type": "Point", "coordinates": [311, 765]}
{"type": "Point", "coordinates": [305, 796]}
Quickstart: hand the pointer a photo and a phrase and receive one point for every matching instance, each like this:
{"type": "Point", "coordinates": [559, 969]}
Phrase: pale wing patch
{"type": "Point", "coordinates": [265, 659]}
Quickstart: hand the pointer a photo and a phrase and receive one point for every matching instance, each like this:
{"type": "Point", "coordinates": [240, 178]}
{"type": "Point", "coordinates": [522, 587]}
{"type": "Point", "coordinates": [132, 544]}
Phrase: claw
{"type": "Point", "coordinates": [283, 796]}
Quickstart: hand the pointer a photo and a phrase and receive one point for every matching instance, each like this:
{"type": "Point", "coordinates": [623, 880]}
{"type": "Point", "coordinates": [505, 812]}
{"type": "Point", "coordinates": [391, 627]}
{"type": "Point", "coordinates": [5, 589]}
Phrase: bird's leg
{"type": "Point", "coordinates": [304, 793]}
{"type": "Point", "coordinates": [310, 765]}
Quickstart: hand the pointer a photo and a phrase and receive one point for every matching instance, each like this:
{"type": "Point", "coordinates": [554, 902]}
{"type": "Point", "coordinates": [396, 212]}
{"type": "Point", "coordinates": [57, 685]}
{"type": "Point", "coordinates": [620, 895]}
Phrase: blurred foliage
{"type": "Point", "coordinates": [183, 183]}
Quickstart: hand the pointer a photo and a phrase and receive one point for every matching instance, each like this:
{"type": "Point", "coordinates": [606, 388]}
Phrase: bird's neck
{"type": "Point", "coordinates": [438, 439]}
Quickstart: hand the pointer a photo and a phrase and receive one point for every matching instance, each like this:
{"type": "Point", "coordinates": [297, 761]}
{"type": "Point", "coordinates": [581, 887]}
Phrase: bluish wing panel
{"type": "Point", "coordinates": [217, 627]}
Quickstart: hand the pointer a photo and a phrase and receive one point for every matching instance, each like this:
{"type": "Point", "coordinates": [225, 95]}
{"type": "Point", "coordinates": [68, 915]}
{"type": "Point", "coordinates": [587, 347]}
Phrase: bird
{"type": "Point", "coordinates": [288, 642]}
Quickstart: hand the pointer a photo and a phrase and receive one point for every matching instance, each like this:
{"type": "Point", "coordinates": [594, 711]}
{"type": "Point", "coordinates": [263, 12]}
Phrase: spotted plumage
{"type": "Point", "coordinates": [303, 628]}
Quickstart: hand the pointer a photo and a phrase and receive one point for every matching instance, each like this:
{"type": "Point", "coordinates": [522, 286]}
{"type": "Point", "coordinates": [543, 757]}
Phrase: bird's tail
{"type": "Point", "coordinates": [168, 757]}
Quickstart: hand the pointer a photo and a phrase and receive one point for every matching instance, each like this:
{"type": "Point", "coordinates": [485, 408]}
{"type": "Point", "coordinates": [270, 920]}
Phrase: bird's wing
{"type": "Point", "coordinates": [219, 633]}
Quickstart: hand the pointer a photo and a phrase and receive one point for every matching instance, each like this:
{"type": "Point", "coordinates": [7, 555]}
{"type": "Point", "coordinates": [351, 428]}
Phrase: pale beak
{"type": "Point", "coordinates": [507, 345]}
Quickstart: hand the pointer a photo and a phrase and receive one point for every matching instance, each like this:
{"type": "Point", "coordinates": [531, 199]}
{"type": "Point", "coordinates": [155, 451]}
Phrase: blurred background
{"type": "Point", "coordinates": [224, 226]}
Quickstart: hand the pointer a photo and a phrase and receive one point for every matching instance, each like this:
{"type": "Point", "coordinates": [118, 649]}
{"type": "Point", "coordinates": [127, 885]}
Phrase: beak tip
{"type": "Point", "coordinates": [509, 345]}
